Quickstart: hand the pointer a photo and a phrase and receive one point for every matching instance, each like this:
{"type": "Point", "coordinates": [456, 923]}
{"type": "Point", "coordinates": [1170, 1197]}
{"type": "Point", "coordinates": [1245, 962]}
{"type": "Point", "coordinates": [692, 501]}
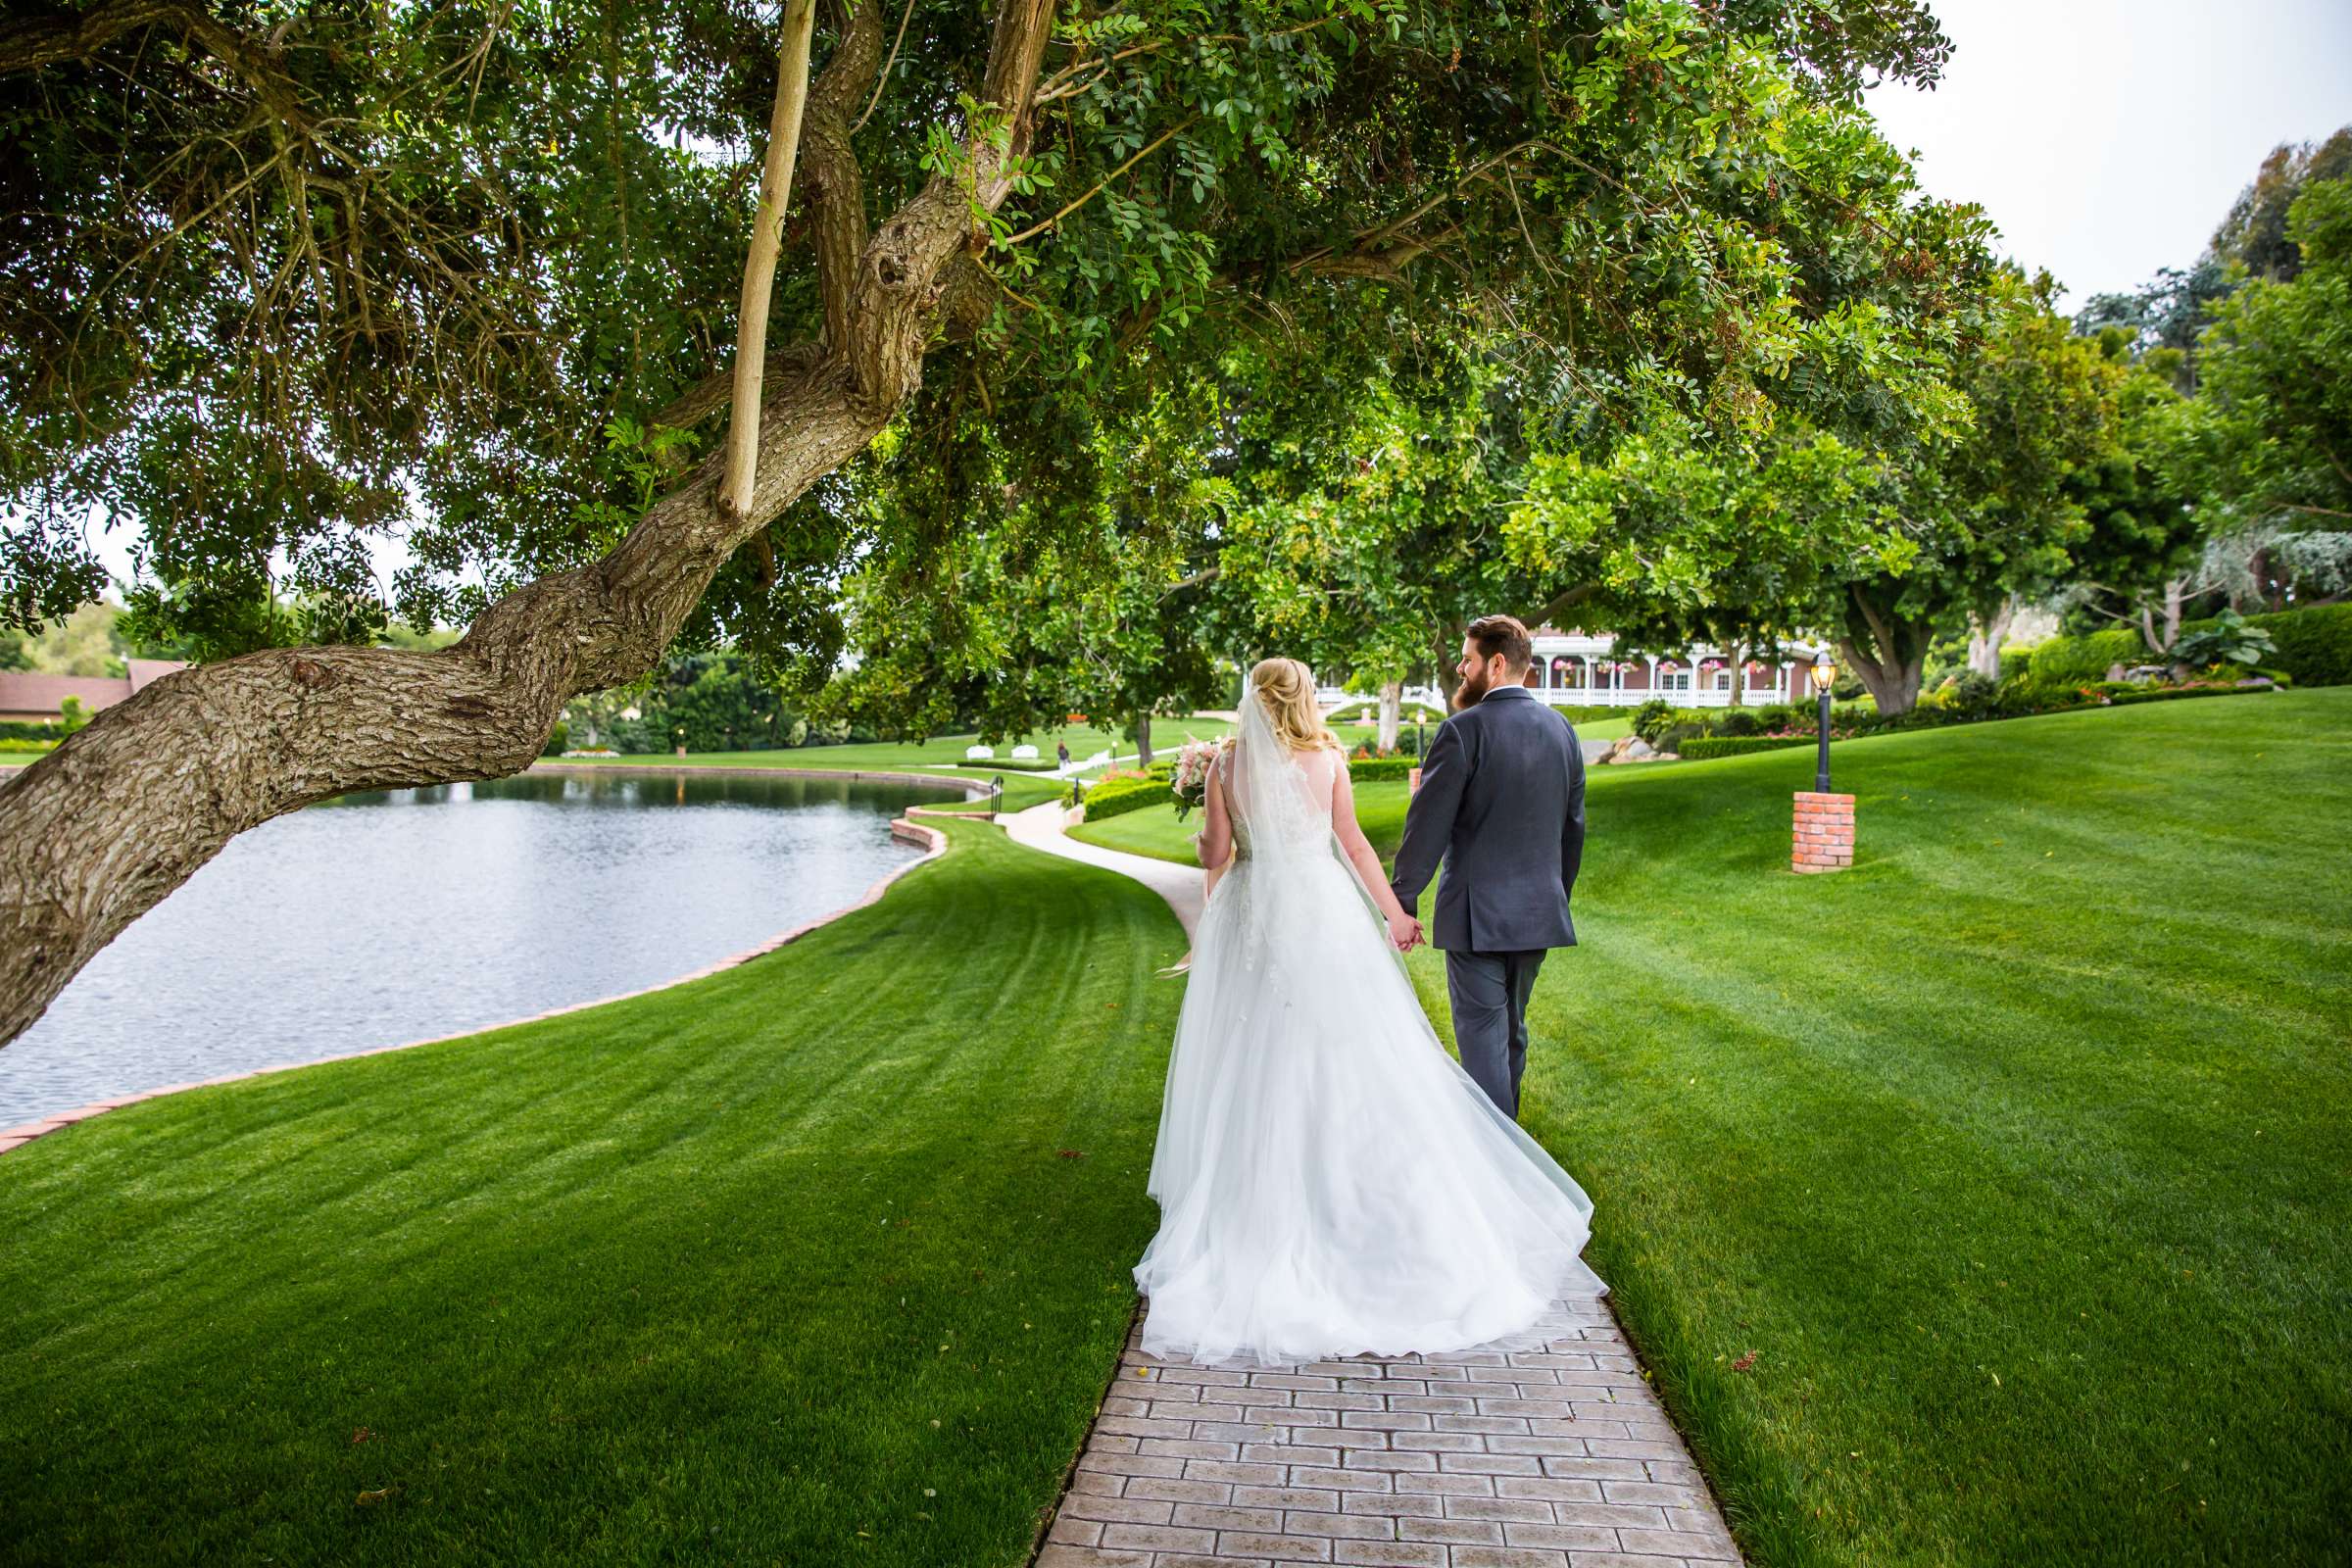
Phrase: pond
{"type": "Point", "coordinates": [404, 914]}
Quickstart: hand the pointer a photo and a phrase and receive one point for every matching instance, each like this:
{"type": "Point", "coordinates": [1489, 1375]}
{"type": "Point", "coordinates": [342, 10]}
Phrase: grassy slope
{"type": "Point", "coordinates": [731, 1273]}
{"type": "Point", "coordinates": [2017, 1154]}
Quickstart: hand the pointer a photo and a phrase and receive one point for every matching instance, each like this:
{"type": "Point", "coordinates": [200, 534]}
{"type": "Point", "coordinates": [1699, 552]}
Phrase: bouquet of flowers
{"type": "Point", "coordinates": [1190, 781]}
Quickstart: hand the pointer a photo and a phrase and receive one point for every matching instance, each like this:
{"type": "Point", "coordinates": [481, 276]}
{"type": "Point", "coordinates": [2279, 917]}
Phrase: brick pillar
{"type": "Point", "coordinates": [1825, 833]}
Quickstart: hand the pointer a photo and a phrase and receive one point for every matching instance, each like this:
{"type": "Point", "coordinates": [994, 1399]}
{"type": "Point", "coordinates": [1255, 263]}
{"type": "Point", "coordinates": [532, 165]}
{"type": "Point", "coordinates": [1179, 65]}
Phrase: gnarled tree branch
{"type": "Point", "coordinates": [92, 835]}
{"type": "Point", "coordinates": [759, 265]}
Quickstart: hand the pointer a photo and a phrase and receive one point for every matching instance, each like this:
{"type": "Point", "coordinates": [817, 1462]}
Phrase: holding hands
{"type": "Point", "coordinates": [1405, 931]}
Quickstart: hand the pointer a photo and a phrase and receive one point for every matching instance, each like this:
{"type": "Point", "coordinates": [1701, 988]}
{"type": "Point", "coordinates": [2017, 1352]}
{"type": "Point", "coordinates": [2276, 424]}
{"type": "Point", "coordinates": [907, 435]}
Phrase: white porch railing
{"type": "Point", "coordinates": [1331, 698]}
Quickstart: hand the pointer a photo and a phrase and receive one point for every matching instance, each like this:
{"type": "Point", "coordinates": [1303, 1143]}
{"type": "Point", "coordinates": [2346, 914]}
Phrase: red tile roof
{"type": "Point", "coordinates": [38, 697]}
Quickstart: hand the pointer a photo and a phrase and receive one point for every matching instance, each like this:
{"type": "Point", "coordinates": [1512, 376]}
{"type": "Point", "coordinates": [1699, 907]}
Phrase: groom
{"type": "Point", "coordinates": [1502, 800]}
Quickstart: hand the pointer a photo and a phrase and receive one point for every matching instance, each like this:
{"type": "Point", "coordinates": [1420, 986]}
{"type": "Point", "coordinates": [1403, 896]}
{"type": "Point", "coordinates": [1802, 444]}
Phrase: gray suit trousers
{"type": "Point", "coordinates": [1489, 992]}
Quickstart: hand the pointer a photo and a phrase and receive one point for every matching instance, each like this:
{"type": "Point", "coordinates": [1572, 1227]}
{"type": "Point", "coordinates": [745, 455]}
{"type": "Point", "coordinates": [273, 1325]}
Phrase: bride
{"type": "Point", "coordinates": [1331, 1182]}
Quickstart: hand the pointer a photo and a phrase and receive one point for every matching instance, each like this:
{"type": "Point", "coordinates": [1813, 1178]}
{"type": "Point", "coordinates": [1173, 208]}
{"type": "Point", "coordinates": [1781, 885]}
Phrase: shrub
{"type": "Point", "coordinates": [1116, 797]}
{"type": "Point", "coordinates": [2229, 639]}
{"type": "Point", "coordinates": [1651, 719]}
{"type": "Point", "coordinates": [2314, 644]}
{"type": "Point", "coordinates": [1675, 737]}
{"type": "Point", "coordinates": [18, 729]}
{"type": "Point", "coordinates": [2015, 659]}
{"type": "Point", "coordinates": [2075, 660]}
{"type": "Point", "coordinates": [26, 748]}
{"type": "Point", "coordinates": [1738, 721]}
{"type": "Point", "coordinates": [72, 716]}
{"type": "Point", "coordinates": [1367, 769]}
{"type": "Point", "coordinates": [1784, 715]}
{"type": "Point", "coordinates": [1741, 744]}
{"type": "Point", "coordinates": [559, 740]}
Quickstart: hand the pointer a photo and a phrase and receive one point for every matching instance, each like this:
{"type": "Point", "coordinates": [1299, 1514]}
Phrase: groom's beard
{"type": "Point", "coordinates": [1471, 691]}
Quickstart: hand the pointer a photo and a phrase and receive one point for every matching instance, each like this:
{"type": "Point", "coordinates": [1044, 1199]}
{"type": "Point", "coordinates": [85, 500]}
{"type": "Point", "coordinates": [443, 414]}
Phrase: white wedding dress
{"type": "Point", "coordinates": [1331, 1182]}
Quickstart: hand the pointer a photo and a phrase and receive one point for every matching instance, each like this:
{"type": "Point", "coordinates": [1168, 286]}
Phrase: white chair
{"type": "Point", "coordinates": [1024, 753]}
{"type": "Point", "coordinates": [980, 754]}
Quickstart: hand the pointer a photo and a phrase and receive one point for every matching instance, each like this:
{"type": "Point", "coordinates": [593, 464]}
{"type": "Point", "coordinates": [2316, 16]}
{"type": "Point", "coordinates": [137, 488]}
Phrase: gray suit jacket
{"type": "Point", "coordinates": [1503, 784]}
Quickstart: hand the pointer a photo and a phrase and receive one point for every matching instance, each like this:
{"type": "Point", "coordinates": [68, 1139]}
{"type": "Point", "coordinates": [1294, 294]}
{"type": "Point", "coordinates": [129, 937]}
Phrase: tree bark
{"type": "Point", "coordinates": [1449, 658]}
{"type": "Point", "coordinates": [1739, 674]}
{"type": "Point", "coordinates": [759, 268]}
{"type": "Point", "coordinates": [1888, 653]}
{"type": "Point", "coordinates": [2160, 642]}
{"type": "Point", "coordinates": [93, 834]}
{"type": "Point", "coordinates": [1985, 634]}
{"type": "Point", "coordinates": [1142, 738]}
{"type": "Point", "coordinates": [1392, 713]}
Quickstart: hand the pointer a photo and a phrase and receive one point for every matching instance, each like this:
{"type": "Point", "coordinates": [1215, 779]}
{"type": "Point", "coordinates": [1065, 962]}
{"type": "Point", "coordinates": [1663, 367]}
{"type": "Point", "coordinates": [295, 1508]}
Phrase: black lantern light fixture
{"type": "Point", "coordinates": [1825, 675]}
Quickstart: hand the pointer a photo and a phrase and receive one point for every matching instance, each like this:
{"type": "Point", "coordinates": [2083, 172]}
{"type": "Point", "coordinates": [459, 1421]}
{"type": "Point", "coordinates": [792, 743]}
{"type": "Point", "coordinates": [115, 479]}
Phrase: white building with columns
{"type": "Point", "coordinates": [1575, 669]}
{"type": "Point", "coordinates": [1584, 669]}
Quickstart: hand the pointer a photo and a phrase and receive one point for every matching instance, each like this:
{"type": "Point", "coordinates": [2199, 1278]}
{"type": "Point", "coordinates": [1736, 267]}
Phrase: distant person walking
{"type": "Point", "coordinates": [1062, 750]}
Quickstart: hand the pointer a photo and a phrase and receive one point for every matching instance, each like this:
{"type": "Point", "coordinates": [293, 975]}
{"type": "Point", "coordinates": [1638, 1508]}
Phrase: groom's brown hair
{"type": "Point", "coordinates": [1505, 635]}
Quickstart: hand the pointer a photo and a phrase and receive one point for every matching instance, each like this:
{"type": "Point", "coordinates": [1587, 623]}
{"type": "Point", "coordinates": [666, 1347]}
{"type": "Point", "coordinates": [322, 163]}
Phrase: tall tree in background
{"type": "Point", "coordinates": [1989, 511]}
{"type": "Point", "coordinates": [2138, 560]}
{"type": "Point", "coordinates": [2277, 459]}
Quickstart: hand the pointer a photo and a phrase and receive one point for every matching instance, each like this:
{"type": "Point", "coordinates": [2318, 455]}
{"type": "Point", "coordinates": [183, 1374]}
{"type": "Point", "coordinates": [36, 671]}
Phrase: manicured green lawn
{"type": "Point", "coordinates": [2018, 1154]}
{"type": "Point", "coordinates": [820, 1260]}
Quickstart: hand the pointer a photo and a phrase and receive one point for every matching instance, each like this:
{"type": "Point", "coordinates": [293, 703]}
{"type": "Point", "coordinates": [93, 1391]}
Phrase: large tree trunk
{"type": "Point", "coordinates": [1392, 713]}
{"type": "Point", "coordinates": [95, 833]}
{"type": "Point", "coordinates": [1888, 652]}
{"type": "Point", "coordinates": [1142, 738]}
{"type": "Point", "coordinates": [1985, 634]}
{"type": "Point", "coordinates": [1737, 655]}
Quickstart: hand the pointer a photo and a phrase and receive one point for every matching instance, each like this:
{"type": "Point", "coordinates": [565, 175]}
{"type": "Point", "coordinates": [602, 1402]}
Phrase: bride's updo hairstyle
{"type": "Point", "coordinates": [1287, 688]}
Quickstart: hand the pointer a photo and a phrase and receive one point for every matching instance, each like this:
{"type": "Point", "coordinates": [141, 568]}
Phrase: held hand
{"type": "Point", "coordinates": [1405, 931]}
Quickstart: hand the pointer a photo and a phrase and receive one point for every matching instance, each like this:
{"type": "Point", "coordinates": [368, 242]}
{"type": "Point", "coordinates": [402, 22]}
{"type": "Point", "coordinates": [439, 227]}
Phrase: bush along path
{"type": "Point", "coordinates": [1537, 1459]}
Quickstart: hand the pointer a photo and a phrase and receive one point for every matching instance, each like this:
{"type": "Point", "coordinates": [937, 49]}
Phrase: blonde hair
{"type": "Point", "coordinates": [1287, 687]}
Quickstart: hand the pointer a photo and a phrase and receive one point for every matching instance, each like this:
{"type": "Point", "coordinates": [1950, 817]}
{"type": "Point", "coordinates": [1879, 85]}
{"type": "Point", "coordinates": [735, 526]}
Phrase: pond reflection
{"type": "Point", "coordinates": [400, 914]}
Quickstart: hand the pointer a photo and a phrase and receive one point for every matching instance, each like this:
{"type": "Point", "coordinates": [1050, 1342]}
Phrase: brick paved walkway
{"type": "Point", "coordinates": [1558, 1458]}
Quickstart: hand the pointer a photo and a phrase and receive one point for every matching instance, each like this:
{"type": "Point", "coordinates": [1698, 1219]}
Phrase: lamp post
{"type": "Point", "coordinates": [1824, 838]}
{"type": "Point", "coordinates": [1825, 674]}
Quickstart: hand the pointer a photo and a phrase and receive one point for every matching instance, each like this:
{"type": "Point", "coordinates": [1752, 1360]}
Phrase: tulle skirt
{"type": "Point", "coordinates": [1331, 1182]}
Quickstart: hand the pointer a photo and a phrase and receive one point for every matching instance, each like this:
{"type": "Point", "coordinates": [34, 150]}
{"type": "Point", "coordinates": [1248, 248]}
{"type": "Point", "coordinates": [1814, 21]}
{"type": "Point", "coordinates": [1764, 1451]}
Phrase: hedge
{"type": "Point", "coordinates": [1011, 764]}
{"type": "Point", "coordinates": [1705, 746]}
{"type": "Point", "coordinates": [2315, 645]}
{"type": "Point", "coordinates": [1117, 796]}
{"type": "Point", "coordinates": [2167, 694]}
{"type": "Point", "coordinates": [2078, 660]}
{"type": "Point", "coordinates": [18, 729]}
{"type": "Point", "coordinates": [1364, 769]}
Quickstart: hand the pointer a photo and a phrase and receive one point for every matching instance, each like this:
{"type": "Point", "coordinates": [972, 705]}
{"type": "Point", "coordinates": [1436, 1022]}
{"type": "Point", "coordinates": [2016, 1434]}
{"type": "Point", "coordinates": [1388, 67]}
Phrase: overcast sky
{"type": "Point", "coordinates": [2107, 137]}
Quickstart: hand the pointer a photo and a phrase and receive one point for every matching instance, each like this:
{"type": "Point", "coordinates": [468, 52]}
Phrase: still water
{"type": "Point", "coordinates": [403, 914]}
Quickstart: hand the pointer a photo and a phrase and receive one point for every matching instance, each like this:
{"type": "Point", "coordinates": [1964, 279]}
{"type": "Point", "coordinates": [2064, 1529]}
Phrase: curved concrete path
{"type": "Point", "coordinates": [1560, 1458]}
{"type": "Point", "coordinates": [1043, 827]}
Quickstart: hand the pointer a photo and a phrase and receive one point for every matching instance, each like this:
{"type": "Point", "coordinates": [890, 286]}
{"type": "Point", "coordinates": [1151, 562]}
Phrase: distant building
{"type": "Point", "coordinates": [1573, 668]}
{"type": "Point", "coordinates": [40, 699]}
{"type": "Point", "coordinates": [1581, 670]}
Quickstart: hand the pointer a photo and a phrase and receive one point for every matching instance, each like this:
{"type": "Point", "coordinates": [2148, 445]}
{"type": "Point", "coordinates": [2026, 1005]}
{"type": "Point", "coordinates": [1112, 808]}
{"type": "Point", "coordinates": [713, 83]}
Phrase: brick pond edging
{"type": "Point", "coordinates": [933, 842]}
{"type": "Point", "coordinates": [973, 789]}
